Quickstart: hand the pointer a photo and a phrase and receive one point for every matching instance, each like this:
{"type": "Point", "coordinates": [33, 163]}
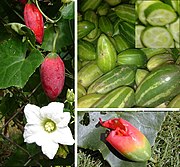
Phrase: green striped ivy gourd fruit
{"type": "Point", "coordinates": [52, 73]}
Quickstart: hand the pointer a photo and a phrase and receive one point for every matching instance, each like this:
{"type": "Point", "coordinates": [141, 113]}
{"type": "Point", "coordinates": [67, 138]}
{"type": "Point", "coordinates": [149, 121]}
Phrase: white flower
{"type": "Point", "coordinates": [47, 126]}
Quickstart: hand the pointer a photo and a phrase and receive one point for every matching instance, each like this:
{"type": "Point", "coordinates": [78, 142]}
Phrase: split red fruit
{"type": "Point", "coordinates": [127, 139]}
{"type": "Point", "coordinates": [34, 20]}
{"type": "Point", "coordinates": [52, 74]}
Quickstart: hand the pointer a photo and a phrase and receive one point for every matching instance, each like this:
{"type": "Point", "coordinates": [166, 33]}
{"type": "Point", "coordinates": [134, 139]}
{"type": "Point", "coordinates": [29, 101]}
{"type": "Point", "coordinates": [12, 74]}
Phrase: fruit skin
{"type": "Point", "coordinates": [34, 20]}
{"type": "Point", "coordinates": [119, 76]}
{"type": "Point", "coordinates": [159, 86]}
{"type": "Point", "coordinates": [127, 139]}
{"type": "Point", "coordinates": [121, 97]}
{"type": "Point", "coordinates": [52, 74]}
{"type": "Point", "coordinates": [106, 53]}
{"type": "Point", "coordinates": [84, 28]}
{"type": "Point", "coordinates": [89, 4]}
{"type": "Point", "coordinates": [89, 73]}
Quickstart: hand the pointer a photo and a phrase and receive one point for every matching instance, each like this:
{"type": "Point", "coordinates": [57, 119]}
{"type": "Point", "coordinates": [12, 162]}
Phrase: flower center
{"type": "Point", "coordinates": [49, 125]}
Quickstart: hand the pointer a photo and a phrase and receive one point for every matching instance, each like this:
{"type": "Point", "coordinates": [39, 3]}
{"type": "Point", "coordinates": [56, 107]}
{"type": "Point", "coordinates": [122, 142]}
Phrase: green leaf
{"type": "Point", "coordinates": [21, 29]}
{"type": "Point", "coordinates": [91, 136]}
{"type": "Point", "coordinates": [68, 11]}
{"type": "Point", "coordinates": [62, 32]}
{"type": "Point", "coordinates": [15, 67]}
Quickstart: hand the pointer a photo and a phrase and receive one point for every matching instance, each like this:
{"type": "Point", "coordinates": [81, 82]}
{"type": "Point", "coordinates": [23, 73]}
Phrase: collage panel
{"type": "Point", "coordinates": [37, 55]}
{"type": "Point", "coordinates": [122, 139]}
{"type": "Point", "coordinates": [113, 72]}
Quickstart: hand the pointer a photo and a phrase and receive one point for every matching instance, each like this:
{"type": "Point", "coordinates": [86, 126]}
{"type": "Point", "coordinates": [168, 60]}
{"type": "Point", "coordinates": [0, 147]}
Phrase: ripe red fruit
{"type": "Point", "coordinates": [52, 74]}
{"type": "Point", "coordinates": [34, 20]}
{"type": "Point", "coordinates": [127, 139]}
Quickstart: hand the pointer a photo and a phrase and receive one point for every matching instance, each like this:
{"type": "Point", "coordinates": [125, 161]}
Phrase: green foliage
{"type": "Point", "coordinates": [87, 161]}
{"type": "Point", "coordinates": [68, 11]}
{"type": "Point", "coordinates": [20, 82]}
{"type": "Point", "coordinates": [15, 67]}
{"type": "Point", "coordinates": [165, 151]}
{"type": "Point", "coordinates": [61, 32]}
{"type": "Point", "coordinates": [92, 136]}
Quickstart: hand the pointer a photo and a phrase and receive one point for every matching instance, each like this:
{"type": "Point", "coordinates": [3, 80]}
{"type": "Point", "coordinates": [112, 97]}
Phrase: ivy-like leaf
{"type": "Point", "coordinates": [15, 67]}
{"type": "Point", "coordinates": [68, 11]}
{"type": "Point", "coordinates": [61, 32]}
{"type": "Point", "coordinates": [92, 136]}
{"type": "Point", "coordinates": [22, 29]}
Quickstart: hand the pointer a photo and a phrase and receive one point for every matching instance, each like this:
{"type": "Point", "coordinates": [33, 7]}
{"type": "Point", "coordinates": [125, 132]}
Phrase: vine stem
{"type": "Point", "coordinates": [54, 42]}
{"type": "Point", "coordinates": [11, 141]}
{"type": "Point", "coordinates": [46, 17]}
{"type": "Point", "coordinates": [31, 44]}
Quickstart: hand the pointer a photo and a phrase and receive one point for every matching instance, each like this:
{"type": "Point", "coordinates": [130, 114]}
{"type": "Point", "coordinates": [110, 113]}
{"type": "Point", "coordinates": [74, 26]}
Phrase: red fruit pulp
{"type": "Point", "coordinates": [52, 74]}
{"type": "Point", "coordinates": [34, 20]}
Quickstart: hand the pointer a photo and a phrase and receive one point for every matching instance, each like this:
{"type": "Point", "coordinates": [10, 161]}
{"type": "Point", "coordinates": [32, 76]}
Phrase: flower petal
{"type": "Point", "coordinates": [63, 119]}
{"type": "Point", "coordinates": [51, 110]}
{"type": "Point", "coordinates": [63, 136]}
{"type": "Point", "coordinates": [50, 149]}
{"type": "Point", "coordinates": [35, 133]}
{"type": "Point", "coordinates": [54, 111]}
{"type": "Point", "coordinates": [32, 114]}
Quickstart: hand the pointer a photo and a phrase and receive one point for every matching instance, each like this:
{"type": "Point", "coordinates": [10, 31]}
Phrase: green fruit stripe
{"type": "Point", "coordinates": [140, 75]}
{"type": "Point", "coordinates": [158, 60]}
{"type": "Point", "coordinates": [128, 31]}
{"type": "Point", "coordinates": [112, 16]}
{"type": "Point", "coordinates": [91, 16]}
{"type": "Point", "coordinates": [121, 43]}
{"type": "Point", "coordinates": [121, 75]}
{"type": "Point", "coordinates": [159, 86]}
{"type": "Point", "coordinates": [106, 26]}
{"type": "Point", "coordinates": [118, 98]}
{"type": "Point", "coordinates": [88, 100]}
{"type": "Point", "coordinates": [89, 73]}
{"type": "Point", "coordinates": [151, 52]}
{"type": "Point", "coordinates": [93, 39]}
{"type": "Point", "coordinates": [132, 57]}
{"type": "Point", "coordinates": [126, 12]}
{"type": "Point", "coordinates": [103, 9]}
{"type": "Point", "coordinates": [89, 4]}
{"type": "Point", "coordinates": [113, 2]}
{"type": "Point", "coordinates": [106, 52]}
{"type": "Point", "coordinates": [175, 103]}
{"type": "Point", "coordinates": [84, 28]}
{"type": "Point", "coordinates": [86, 50]}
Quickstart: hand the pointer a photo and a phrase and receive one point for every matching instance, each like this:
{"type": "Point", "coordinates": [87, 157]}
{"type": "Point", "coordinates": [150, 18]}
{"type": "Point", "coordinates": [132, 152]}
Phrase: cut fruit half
{"type": "Point", "coordinates": [160, 14]}
{"type": "Point", "coordinates": [174, 28]}
{"type": "Point", "coordinates": [157, 37]}
{"type": "Point", "coordinates": [138, 31]}
{"type": "Point", "coordinates": [142, 7]}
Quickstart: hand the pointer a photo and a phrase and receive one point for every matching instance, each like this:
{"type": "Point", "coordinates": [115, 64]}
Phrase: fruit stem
{"type": "Point", "coordinates": [31, 44]}
{"type": "Point", "coordinates": [54, 42]}
{"type": "Point", "coordinates": [46, 17]}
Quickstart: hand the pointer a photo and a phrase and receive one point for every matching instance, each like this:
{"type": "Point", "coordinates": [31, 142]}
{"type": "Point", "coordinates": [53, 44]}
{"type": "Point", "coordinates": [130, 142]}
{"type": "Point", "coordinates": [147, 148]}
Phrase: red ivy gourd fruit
{"type": "Point", "coordinates": [52, 73]}
{"type": "Point", "coordinates": [127, 139]}
{"type": "Point", "coordinates": [34, 20]}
